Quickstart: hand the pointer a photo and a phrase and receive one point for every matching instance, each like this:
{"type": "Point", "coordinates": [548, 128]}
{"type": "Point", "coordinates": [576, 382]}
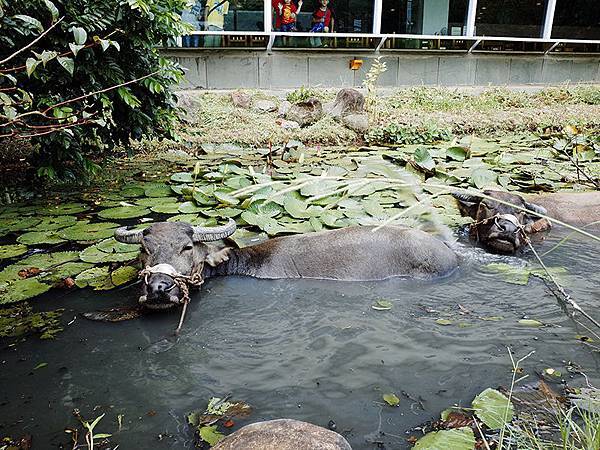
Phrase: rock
{"type": "Point", "coordinates": [283, 434]}
{"type": "Point", "coordinates": [265, 106]}
{"type": "Point", "coordinates": [306, 113]}
{"type": "Point", "coordinates": [347, 101]}
{"type": "Point", "coordinates": [356, 122]}
{"type": "Point", "coordinates": [284, 108]}
{"type": "Point", "coordinates": [241, 99]}
{"type": "Point", "coordinates": [287, 124]}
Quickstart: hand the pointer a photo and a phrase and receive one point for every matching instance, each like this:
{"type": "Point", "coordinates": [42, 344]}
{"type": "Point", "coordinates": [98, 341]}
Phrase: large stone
{"type": "Point", "coordinates": [356, 122]}
{"type": "Point", "coordinates": [283, 434]}
{"type": "Point", "coordinates": [284, 108]}
{"type": "Point", "coordinates": [306, 113]}
{"type": "Point", "coordinates": [241, 99]}
{"type": "Point", "coordinates": [265, 106]}
{"type": "Point", "coordinates": [347, 101]}
{"type": "Point", "coordinates": [287, 124]}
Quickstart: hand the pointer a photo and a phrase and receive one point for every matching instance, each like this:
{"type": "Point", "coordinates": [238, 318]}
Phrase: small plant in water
{"type": "Point", "coordinates": [88, 431]}
{"type": "Point", "coordinates": [370, 83]}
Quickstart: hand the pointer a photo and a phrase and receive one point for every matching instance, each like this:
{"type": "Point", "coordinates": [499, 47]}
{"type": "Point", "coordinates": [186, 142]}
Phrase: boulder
{"type": "Point", "coordinates": [265, 106]}
{"type": "Point", "coordinates": [356, 122]}
{"type": "Point", "coordinates": [284, 108]}
{"type": "Point", "coordinates": [347, 101]}
{"type": "Point", "coordinates": [306, 113]}
{"type": "Point", "coordinates": [287, 124]}
{"type": "Point", "coordinates": [283, 434]}
{"type": "Point", "coordinates": [241, 99]}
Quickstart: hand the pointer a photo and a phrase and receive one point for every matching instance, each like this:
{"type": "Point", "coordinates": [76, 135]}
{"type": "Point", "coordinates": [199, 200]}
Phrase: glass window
{"type": "Point", "coordinates": [341, 16]}
{"type": "Point", "coordinates": [435, 17]}
{"type": "Point", "coordinates": [514, 18]}
{"type": "Point", "coordinates": [577, 19]}
{"type": "Point", "coordinates": [228, 15]}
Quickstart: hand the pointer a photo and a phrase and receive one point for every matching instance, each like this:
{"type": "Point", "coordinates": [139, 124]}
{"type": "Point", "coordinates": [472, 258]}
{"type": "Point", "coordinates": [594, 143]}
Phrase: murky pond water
{"type": "Point", "coordinates": [310, 350]}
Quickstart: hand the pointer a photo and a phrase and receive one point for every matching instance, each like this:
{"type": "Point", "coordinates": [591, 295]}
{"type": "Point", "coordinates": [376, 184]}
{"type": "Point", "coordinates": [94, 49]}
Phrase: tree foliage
{"type": "Point", "coordinates": [78, 77]}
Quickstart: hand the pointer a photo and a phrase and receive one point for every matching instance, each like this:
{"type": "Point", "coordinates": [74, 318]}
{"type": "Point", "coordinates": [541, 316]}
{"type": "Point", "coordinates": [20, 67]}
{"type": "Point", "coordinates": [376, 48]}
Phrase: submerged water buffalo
{"type": "Point", "coordinates": [503, 228]}
{"type": "Point", "coordinates": [172, 251]}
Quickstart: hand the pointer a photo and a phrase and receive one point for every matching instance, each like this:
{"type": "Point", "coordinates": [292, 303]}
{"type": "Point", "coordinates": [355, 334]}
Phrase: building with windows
{"type": "Point", "coordinates": [288, 43]}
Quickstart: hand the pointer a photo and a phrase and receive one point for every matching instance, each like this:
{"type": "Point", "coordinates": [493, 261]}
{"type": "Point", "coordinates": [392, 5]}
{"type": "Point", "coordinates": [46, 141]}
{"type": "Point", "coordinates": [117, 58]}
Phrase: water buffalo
{"type": "Point", "coordinates": [175, 250]}
{"type": "Point", "coordinates": [502, 228]}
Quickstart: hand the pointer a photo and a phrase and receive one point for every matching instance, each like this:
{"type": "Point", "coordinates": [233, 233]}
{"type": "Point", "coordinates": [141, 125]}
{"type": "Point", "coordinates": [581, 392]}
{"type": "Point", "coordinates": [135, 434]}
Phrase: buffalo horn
{"type": "Point", "coordinates": [204, 234]}
{"type": "Point", "coordinates": [465, 198]}
{"type": "Point", "coordinates": [536, 208]}
{"type": "Point", "coordinates": [128, 236]}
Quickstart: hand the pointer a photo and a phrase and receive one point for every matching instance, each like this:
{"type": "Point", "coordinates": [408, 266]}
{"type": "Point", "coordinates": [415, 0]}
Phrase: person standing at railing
{"type": "Point", "coordinates": [195, 17]}
{"type": "Point", "coordinates": [286, 14]}
{"type": "Point", "coordinates": [214, 20]}
{"type": "Point", "coordinates": [322, 22]}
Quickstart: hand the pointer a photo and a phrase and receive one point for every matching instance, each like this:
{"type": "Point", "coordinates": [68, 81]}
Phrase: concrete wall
{"type": "Point", "coordinates": [217, 69]}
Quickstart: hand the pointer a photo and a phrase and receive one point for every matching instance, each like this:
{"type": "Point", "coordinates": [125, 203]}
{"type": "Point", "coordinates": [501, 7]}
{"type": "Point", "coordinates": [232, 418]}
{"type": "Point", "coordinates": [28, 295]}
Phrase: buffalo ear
{"type": "Point", "coordinates": [216, 257]}
{"type": "Point", "coordinates": [535, 209]}
{"type": "Point", "coordinates": [468, 204]}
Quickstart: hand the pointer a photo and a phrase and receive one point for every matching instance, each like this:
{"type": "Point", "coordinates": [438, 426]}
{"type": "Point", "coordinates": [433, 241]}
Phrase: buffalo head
{"type": "Point", "coordinates": [171, 249]}
{"type": "Point", "coordinates": [500, 227]}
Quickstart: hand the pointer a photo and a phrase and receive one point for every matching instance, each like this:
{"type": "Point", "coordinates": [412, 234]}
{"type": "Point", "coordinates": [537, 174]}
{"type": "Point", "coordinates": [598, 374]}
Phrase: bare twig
{"type": "Point", "coordinates": [32, 43]}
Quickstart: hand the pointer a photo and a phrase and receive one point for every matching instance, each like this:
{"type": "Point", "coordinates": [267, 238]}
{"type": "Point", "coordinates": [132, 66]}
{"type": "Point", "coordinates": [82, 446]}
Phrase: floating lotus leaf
{"type": "Point", "coordinates": [493, 408]}
{"type": "Point", "coordinates": [11, 225]}
{"type": "Point", "coordinates": [62, 209]}
{"type": "Point", "coordinates": [238, 182]}
{"type": "Point", "coordinates": [54, 223]}
{"type": "Point", "coordinates": [21, 289]}
{"type": "Point", "coordinates": [155, 201]}
{"type": "Point", "coordinates": [158, 190]}
{"type": "Point", "coordinates": [266, 208]}
{"type": "Point", "coordinates": [194, 219]}
{"type": "Point", "coordinates": [110, 250]}
{"type": "Point", "coordinates": [182, 177]}
{"type": "Point", "coordinates": [484, 178]}
{"type": "Point", "coordinates": [296, 208]}
{"type": "Point", "coordinates": [189, 208]}
{"type": "Point", "coordinates": [456, 439]}
{"type": "Point", "coordinates": [42, 261]}
{"type": "Point", "coordinates": [267, 224]}
{"type": "Point", "coordinates": [88, 232]}
{"type": "Point", "coordinates": [203, 199]}
{"type": "Point", "coordinates": [124, 212]}
{"type": "Point", "coordinates": [40, 237]}
{"type": "Point", "coordinates": [131, 191]}
{"type": "Point", "coordinates": [100, 278]}
{"type": "Point", "coordinates": [66, 270]}
{"type": "Point", "coordinates": [225, 198]}
{"type": "Point", "coordinates": [245, 238]}
{"type": "Point", "coordinates": [10, 211]}
{"type": "Point", "coordinates": [12, 250]}
{"type": "Point", "coordinates": [167, 208]}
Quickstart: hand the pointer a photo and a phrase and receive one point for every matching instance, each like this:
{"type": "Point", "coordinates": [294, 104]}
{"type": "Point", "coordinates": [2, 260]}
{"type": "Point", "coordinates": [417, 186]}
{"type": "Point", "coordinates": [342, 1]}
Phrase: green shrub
{"type": "Point", "coordinates": [402, 135]}
{"type": "Point", "coordinates": [300, 95]}
{"type": "Point", "coordinates": [88, 46]}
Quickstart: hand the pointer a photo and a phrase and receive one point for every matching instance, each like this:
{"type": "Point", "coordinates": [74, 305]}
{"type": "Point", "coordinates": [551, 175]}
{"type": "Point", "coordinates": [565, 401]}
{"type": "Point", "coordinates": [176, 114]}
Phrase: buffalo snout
{"type": "Point", "coordinates": [160, 292]}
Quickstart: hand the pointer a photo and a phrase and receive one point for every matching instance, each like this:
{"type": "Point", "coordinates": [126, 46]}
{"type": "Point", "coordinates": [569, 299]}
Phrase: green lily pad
{"type": "Point", "coordinates": [493, 408]}
{"type": "Point", "coordinates": [531, 323]}
{"type": "Point", "coordinates": [42, 261]}
{"type": "Point", "coordinates": [155, 201]}
{"type": "Point", "coordinates": [132, 191]}
{"type": "Point", "coordinates": [189, 208]}
{"type": "Point", "coordinates": [226, 199]}
{"type": "Point", "coordinates": [483, 178]}
{"type": "Point", "coordinates": [12, 250]}
{"type": "Point", "coordinates": [457, 153]}
{"type": "Point", "coordinates": [443, 322]}
{"type": "Point", "coordinates": [10, 225]}
{"type": "Point", "coordinates": [167, 208]}
{"type": "Point", "coordinates": [456, 439]}
{"type": "Point", "coordinates": [88, 232]}
{"type": "Point", "coordinates": [423, 159]}
{"type": "Point", "coordinates": [510, 274]}
{"type": "Point", "coordinates": [194, 219]}
{"type": "Point", "coordinates": [54, 223]}
{"type": "Point", "coordinates": [244, 238]}
{"type": "Point", "coordinates": [158, 190]}
{"type": "Point", "coordinates": [40, 237]}
{"type": "Point", "coordinates": [110, 250]}
{"type": "Point", "coordinates": [210, 435]}
{"type": "Point", "coordinates": [296, 208]}
{"type": "Point", "coordinates": [66, 270]}
{"type": "Point", "coordinates": [182, 177]}
{"type": "Point", "coordinates": [21, 289]}
{"type": "Point", "coordinates": [100, 278]}
{"type": "Point", "coordinates": [62, 209]}
{"type": "Point", "coordinates": [124, 212]}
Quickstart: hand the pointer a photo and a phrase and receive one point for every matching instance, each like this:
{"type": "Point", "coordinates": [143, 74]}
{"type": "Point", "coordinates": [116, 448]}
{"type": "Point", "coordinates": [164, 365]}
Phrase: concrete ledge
{"type": "Point", "coordinates": [230, 69]}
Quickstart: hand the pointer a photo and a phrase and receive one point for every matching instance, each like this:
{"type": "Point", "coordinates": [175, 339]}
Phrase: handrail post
{"type": "Point", "coordinates": [471, 13]}
{"type": "Point", "coordinates": [549, 19]}
{"type": "Point", "coordinates": [377, 9]}
{"type": "Point", "coordinates": [267, 16]}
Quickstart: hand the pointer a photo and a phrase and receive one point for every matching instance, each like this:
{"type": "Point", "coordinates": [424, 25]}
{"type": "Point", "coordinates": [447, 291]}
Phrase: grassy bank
{"type": "Point", "coordinates": [212, 118]}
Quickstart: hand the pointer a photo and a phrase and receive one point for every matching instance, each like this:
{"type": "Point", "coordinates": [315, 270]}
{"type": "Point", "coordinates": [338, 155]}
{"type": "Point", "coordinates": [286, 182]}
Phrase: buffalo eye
{"type": "Point", "coordinates": [187, 248]}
